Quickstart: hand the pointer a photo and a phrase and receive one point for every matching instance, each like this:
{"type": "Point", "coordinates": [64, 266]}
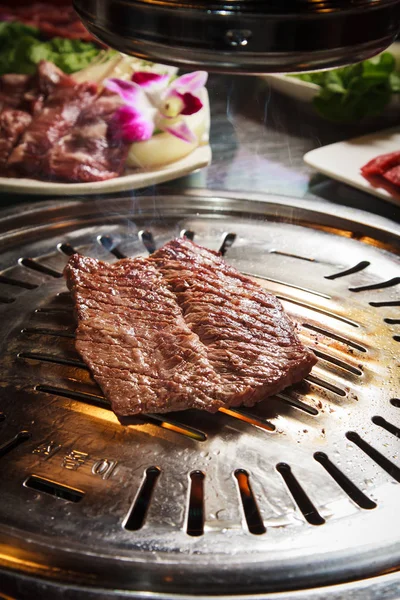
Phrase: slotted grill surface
{"type": "Point", "coordinates": [305, 483]}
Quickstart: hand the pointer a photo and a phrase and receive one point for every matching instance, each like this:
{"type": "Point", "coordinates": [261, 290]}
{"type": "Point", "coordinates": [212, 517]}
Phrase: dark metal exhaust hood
{"type": "Point", "coordinates": [245, 36]}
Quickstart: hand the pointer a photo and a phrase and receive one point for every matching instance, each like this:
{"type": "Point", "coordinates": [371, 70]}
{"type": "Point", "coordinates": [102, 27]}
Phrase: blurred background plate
{"type": "Point", "coordinates": [343, 161]}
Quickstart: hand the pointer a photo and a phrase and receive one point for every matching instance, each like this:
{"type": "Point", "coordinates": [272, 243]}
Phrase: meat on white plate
{"type": "Point", "coordinates": [60, 112]}
{"type": "Point", "coordinates": [384, 165]}
{"type": "Point", "coordinates": [22, 98]}
{"type": "Point", "coordinates": [90, 151]}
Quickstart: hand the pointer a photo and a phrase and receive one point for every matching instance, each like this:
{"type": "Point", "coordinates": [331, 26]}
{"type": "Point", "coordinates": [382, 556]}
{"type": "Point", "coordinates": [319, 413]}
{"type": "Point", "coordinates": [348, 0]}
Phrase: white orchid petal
{"type": "Point", "coordinates": [182, 131]}
{"type": "Point", "coordinates": [129, 92]}
{"type": "Point", "coordinates": [191, 82]}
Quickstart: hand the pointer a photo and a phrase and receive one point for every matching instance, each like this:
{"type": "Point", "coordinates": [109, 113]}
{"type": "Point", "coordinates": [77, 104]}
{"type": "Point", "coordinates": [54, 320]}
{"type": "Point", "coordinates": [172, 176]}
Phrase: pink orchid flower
{"type": "Point", "coordinates": [153, 102]}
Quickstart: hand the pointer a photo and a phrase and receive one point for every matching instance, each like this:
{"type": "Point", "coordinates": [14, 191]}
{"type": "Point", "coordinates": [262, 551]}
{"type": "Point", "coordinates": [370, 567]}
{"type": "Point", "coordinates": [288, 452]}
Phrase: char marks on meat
{"type": "Point", "coordinates": [247, 335]}
{"type": "Point", "coordinates": [89, 152]}
{"type": "Point", "coordinates": [132, 335]}
{"type": "Point", "coordinates": [182, 329]}
{"type": "Point", "coordinates": [60, 112]}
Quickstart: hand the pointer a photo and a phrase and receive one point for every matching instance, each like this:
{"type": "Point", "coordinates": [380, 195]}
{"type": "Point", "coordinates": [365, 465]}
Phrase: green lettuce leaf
{"type": "Point", "coordinates": [21, 49]}
{"type": "Point", "coordinates": [357, 91]}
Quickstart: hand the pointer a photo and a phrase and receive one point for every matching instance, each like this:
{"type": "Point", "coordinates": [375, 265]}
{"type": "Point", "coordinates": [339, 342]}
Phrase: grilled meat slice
{"type": "Point", "coordinates": [248, 337]}
{"type": "Point", "coordinates": [182, 329]}
{"type": "Point", "coordinates": [132, 335]}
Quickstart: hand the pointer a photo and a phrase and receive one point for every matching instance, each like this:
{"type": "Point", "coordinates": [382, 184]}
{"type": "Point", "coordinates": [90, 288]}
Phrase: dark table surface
{"type": "Point", "coordinates": [258, 139]}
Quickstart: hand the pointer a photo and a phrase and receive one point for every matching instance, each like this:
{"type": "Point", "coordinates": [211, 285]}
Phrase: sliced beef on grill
{"type": "Point", "coordinates": [89, 152]}
{"type": "Point", "coordinates": [248, 337]}
{"type": "Point", "coordinates": [12, 125]}
{"type": "Point", "coordinates": [12, 90]}
{"type": "Point", "coordinates": [132, 335]}
{"type": "Point", "coordinates": [60, 113]}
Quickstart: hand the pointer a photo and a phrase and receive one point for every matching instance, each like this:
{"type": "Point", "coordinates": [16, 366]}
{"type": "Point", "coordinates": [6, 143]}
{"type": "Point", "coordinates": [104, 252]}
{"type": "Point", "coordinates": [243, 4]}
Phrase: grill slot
{"type": "Point", "coordinates": [14, 442]}
{"type": "Point", "coordinates": [395, 402]}
{"type": "Point", "coordinates": [289, 255]}
{"type": "Point", "coordinates": [294, 287]}
{"type": "Point", "coordinates": [53, 488]}
{"type": "Point", "coordinates": [298, 404]}
{"type": "Point", "coordinates": [304, 503]}
{"type": "Point", "coordinates": [92, 399]}
{"type": "Point", "coordinates": [2, 417]}
{"type": "Point", "coordinates": [377, 286]}
{"type": "Point", "coordinates": [101, 402]}
{"type": "Point", "coordinates": [326, 385]}
{"type": "Point", "coordinates": [29, 263]}
{"type": "Point", "coordinates": [385, 303]}
{"type": "Point", "coordinates": [54, 311]}
{"type": "Point", "coordinates": [109, 244]}
{"type": "Point", "coordinates": [146, 237]}
{"type": "Point", "coordinates": [137, 514]}
{"type": "Point", "coordinates": [249, 504]}
{"type": "Point", "coordinates": [376, 456]}
{"type": "Point", "coordinates": [334, 336]}
{"type": "Point", "coordinates": [356, 269]}
{"type": "Point", "coordinates": [67, 249]}
{"type": "Point", "coordinates": [52, 332]}
{"type": "Point", "coordinates": [321, 311]}
{"type": "Point", "coordinates": [392, 321]}
{"type": "Point", "coordinates": [52, 359]}
{"type": "Point", "coordinates": [228, 239]}
{"type": "Point", "coordinates": [195, 518]}
{"type": "Point", "coordinates": [247, 417]}
{"type": "Point", "coordinates": [345, 483]}
{"type": "Point", "coordinates": [381, 422]}
{"type": "Point", "coordinates": [187, 233]}
{"type": "Point", "coordinates": [17, 283]}
{"type": "Point", "coordinates": [336, 361]}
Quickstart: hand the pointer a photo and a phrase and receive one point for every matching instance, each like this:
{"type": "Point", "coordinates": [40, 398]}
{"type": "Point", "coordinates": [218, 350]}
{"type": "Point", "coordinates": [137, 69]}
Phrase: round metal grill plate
{"type": "Point", "coordinates": [302, 490]}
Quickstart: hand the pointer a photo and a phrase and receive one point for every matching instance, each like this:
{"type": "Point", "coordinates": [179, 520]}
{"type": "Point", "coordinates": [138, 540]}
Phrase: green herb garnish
{"type": "Point", "coordinates": [21, 49]}
{"type": "Point", "coordinates": [355, 92]}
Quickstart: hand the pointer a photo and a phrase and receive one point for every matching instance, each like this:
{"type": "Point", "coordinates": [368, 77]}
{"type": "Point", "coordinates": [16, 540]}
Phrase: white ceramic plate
{"type": "Point", "coordinates": [306, 92]}
{"type": "Point", "coordinates": [344, 160]}
{"type": "Point", "coordinates": [133, 180]}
